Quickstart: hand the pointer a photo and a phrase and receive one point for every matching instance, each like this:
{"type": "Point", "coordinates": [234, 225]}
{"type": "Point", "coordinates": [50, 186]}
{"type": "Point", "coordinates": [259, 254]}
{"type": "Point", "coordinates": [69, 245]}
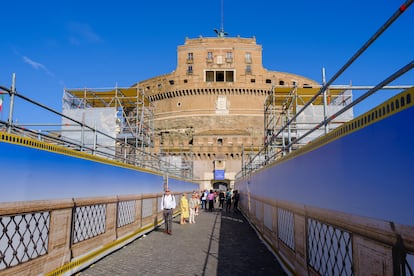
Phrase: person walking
{"type": "Point", "coordinates": [221, 199]}
{"type": "Point", "coordinates": [204, 199]}
{"type": "Point", "coordinates": [198, 203]}
{"type": "Point", "coordinates": [236, 198]}
{"type": "Point", "coordinates": [193, 202]}
{"type": "Point", "coordinates": [167, 206]}
{"type": "Point", "coordinates": [184, 209]}
{"type": "Point", "coordinates": [211, 201]}
{"type": "Point", "coordinates": [228, 200]}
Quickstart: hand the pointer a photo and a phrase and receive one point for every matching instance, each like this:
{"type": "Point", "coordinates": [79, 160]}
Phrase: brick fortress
{"type": "Point", "coordinates": [209, 112]}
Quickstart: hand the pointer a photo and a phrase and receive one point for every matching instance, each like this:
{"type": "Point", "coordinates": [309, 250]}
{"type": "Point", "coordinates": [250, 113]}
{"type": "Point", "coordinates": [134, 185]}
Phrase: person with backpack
{"type": "Point", "coordinates": [221, 199]}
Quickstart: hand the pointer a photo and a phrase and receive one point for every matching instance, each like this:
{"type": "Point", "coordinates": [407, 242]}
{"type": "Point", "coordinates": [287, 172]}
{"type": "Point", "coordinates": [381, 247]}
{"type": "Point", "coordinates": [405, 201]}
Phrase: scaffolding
{"type": "Point", "coordinates": [125, 114]}
{"type": "Point", "coordinates": [283, 103]}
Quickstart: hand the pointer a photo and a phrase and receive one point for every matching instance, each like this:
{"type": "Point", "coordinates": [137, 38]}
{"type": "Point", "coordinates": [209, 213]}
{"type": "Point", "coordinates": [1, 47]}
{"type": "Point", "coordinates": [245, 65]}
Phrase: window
{"type": "Point", "coordinates": [281, 82]}
{"type": "Point", "coordinates": [229, 76]}
{"type": "Point", "coordinates": [248, 69]}
{"type": "Point", "coordinates": [189, 69]}
{"type": "Point", "coordinates": [252, 80]}
{"type": "Point", "coordinates": [268, 81]}
{"type": "Point", "coordinates": [209, 76]}
{"type": "Point", "coordinates": [219, 60]}
{"type": "Point", "coordinates": [210, 57]}
{"type": "Point", "coordinates": [219, 76]}
{"type": "Point", "coordinates": [190, 56]}
{"type": "Point", "coordinates": [248, 57]}
{"type": "Point", "coordinates": [229, 57]}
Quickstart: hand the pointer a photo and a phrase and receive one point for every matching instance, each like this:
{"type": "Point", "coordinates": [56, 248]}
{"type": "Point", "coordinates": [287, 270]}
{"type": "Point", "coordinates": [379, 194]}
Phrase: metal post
{"type": "Point", "coordinates": [95, 139]}
{"type": "Point", "coordinates": [283, 136]}
{"type": "Point", "coordinates": [125, 146]}
{"type": "Point", "coordinates": [289, 131]}
{"type": "Point", "coordinates": [13, 91]}
{"type": "Point", "coordinates": [83, 130]}
{"type": "Point", "coordinates": [325, 108]}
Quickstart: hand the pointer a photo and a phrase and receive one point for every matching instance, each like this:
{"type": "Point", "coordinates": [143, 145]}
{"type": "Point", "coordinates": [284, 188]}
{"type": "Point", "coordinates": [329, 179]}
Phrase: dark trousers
{"type": "Point", "coordinates": [221, 203]}
{"type": "Point", "coordinates": [236, 205]}
{"type": "Point", "coordinates": [210, 205]}
{"type": "Point", "coordinates": [228, 205]}
{"type": "Point", "coordinates": [168, 219]}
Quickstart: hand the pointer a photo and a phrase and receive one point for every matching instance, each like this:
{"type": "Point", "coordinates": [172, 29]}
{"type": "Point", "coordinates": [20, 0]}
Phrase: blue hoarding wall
{"type": "Point", "coordinates": [33, 174]}
{"type": "Point", "coordinates": [176, 185]}
{"type": "Point", "coordinates": [367, 172]}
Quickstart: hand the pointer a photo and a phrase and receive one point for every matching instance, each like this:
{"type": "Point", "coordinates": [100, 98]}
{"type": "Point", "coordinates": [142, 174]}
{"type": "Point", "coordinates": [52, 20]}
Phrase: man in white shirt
{"type": "Point", "coordinates": [167, 205]}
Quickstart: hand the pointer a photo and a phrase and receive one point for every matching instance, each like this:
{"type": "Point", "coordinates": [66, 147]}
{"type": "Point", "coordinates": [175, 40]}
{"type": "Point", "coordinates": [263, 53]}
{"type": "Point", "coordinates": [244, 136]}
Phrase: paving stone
{"type": "Point", "coordinates": [219, 243]}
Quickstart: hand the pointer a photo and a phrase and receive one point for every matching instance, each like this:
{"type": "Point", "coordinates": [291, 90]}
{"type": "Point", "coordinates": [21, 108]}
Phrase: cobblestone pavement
{"type": "Point", "coordinates": [219, 243]}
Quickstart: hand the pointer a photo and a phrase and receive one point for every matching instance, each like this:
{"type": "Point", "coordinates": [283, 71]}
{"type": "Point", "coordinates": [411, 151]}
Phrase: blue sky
{"type": "Point", "coordinates": [52, 45]}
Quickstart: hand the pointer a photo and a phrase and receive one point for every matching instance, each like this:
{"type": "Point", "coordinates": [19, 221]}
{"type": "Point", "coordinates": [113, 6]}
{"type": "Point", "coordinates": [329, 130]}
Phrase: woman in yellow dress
{"type": "Point", "coordinates": [184, 209]}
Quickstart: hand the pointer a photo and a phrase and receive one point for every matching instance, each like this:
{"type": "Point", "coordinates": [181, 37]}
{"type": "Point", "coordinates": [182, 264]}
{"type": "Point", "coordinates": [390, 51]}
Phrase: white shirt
{"type": "Point", "coordinates": [168, 202]}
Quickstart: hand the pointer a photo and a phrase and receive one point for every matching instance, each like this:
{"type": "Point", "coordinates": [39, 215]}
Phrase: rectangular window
{"type": "Point", "coordinates": [190, 58]}
{"type": "Point", "coordinates": [209, 76]}
{"type": "Point", "coordinates": [229, 76]}
{"type": "Point", "coordinates": [190, 69]}
{"type": "Point", "coordinates": [248, 69]}
{"type": "Point", "coordinates": [229, 57]}
{"type": "Point", "coordinates": [210, 57]}
{"type": "Point", "coordinates": [248, 57]}
{"type": "Point", "coordinates": [219, 76]}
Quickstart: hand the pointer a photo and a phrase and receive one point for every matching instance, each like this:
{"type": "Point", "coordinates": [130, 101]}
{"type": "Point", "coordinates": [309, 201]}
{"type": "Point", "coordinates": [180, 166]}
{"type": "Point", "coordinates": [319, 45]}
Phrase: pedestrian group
{"type": "Point", "coordinates": [190, 207]}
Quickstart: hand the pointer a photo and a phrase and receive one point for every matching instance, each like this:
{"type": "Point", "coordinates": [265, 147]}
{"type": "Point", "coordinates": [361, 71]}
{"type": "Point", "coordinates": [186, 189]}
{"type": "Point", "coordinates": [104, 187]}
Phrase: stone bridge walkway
{"type": "Point", "coordinates": [219, 243]}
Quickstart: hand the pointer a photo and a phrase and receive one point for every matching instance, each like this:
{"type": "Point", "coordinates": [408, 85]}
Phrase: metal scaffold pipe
{"type": "Point", "coordinates": [391, 78]}
{"type": "Point", "coordinates": [12, 92]}
{"type": "Point", "coordinates": [374, 37]}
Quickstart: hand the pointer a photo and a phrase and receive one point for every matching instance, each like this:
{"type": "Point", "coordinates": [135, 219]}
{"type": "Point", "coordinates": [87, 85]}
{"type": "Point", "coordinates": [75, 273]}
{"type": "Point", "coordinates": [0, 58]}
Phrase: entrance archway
{"type": "Point", "coordinates": [220, 185]}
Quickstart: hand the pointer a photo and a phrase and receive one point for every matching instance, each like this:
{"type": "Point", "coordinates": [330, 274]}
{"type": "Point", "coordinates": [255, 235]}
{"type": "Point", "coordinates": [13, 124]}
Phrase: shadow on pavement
{"type": "Point", "coordinates": [241, 251]}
